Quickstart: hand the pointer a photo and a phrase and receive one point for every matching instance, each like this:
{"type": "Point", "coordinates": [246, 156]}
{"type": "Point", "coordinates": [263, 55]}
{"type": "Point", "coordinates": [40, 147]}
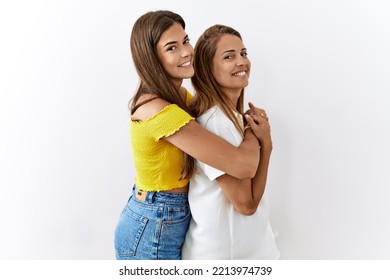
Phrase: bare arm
{"type": "Point", "coordinates": [245, 195]}
{"type": "Point", "coordinates": [198, 142]}
{"type": "Point", "coordinates": [240, 162]}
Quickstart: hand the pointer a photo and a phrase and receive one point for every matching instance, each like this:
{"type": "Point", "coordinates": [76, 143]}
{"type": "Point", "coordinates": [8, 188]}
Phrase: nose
{"type": "Point", "coordinates": [241, 61]}
{"type": "Point", "coordinates": [187, 51]}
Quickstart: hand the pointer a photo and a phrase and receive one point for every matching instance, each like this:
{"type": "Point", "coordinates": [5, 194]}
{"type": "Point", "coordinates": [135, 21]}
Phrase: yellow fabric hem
{"type": "Point", "coordinates": [154, 116]}
{"type": "Point", "coordinates": [173, 132]}
{"type": "Point", "coordinates": [150, 189]}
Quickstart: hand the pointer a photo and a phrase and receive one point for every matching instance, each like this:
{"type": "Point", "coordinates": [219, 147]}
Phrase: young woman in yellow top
{"type": "Point", "coordinates": [165, 138]}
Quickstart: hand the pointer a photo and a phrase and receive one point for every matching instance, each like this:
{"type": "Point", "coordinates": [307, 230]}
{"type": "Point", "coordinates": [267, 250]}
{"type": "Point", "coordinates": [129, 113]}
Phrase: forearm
{"type": "Point", "coordinates": [204, 145]}
{"type": "Point", "coordinates": [249, 194]}
{"type": "Point", "coordinates": [259, 181]}
{"type": "Point", "coordinates": [249, 149]}
{"type": "Point", "coordinates": [240, 162]}
{"type": "Point", "coordinates": [246, 194]}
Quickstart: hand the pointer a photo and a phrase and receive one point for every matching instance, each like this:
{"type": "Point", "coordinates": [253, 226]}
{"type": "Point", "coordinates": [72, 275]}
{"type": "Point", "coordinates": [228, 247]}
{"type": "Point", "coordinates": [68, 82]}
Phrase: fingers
{"type": "Point", "coordinates": [264, 115]}
{"type": "Point", "coordinates": [257, 111]}
{"type": "Point", "coordinates": [259, 126]}
{"type": "Point", "coordinates": [251, 109]}
{"type": "Point", "coordinates": [250, 121]}
{"type": "Point", "coordinates": [256, 118]}
{"type": "Point", "coordinates": [253, 120]}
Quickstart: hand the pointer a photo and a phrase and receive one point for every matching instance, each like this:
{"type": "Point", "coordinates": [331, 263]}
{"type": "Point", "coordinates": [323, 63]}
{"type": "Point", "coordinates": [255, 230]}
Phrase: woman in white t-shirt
{"type": "Point", "coordinates": [229, 215]}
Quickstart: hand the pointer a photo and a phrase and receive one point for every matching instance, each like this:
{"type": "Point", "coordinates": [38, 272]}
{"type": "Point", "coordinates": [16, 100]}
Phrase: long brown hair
{"type": "Point", "coordinates": [208, 92]}
{"type": "Point", "coordinates": [146, 33]}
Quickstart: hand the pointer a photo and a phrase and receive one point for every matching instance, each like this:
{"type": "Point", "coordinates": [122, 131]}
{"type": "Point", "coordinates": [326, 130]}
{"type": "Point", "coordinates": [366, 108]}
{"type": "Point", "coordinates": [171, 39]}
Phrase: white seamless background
{"type": "Point", "coordinates": [319, 68]}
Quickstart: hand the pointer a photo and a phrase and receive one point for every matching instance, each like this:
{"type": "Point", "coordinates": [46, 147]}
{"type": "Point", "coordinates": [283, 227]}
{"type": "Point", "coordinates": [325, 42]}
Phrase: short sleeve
{"type": "Point", "coordinates": [168, 121]}
{"type": "Point", "coordinates": [220, 125]}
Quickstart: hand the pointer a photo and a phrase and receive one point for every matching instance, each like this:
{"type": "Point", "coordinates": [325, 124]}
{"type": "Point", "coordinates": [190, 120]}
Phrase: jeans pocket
{"type": "Point", "coordinates": [174, 230]}
{"type": "Point", "coordinates": [128, 233]}
{"type": "Point", "coordinates": [177, 213]}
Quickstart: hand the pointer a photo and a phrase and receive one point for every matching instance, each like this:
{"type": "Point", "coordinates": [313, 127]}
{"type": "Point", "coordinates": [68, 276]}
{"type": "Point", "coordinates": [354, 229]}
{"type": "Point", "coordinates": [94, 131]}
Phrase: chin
{"type": "Point", "coordinates": [187, 75]}
{"type": "Point", "coordinates": [242, 85]}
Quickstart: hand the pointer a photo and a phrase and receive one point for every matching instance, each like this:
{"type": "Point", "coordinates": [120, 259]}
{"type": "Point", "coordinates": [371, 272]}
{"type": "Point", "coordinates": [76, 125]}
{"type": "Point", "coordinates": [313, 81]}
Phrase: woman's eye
{"type": "Point", "coordinates": [172, 48]}
{"type": "Point", "coordinates": [187, 41]}
{"type": "Point", "coordinates": [229, 57]}
{"type": "Point", "coordinates": [244, 54]}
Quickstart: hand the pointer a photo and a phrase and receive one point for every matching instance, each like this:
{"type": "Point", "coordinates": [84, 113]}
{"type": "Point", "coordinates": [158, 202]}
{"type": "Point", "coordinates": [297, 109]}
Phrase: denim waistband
{"type": "Point", "coordinates": [150, 197]}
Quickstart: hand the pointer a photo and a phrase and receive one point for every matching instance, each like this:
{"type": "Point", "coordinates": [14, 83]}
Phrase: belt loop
{"type": "Point", "coordinates": [151, 197]}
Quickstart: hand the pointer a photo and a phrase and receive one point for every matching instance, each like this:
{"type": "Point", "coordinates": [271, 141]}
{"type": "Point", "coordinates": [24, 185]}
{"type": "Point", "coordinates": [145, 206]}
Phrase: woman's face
{"type": "Point", "coordinates": [176, 53]}
{"type": "Point", "coordinates": [231, 66]}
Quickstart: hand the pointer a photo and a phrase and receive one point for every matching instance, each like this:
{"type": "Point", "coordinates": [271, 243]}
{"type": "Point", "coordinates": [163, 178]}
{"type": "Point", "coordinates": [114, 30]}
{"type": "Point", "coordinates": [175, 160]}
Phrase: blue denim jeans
{"type": "Point", "coordinates": [153, 229]}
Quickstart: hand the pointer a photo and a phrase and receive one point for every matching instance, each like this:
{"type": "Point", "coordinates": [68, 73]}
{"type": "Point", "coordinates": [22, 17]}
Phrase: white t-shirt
{"type": "Point", "coordinates": [216, 230]}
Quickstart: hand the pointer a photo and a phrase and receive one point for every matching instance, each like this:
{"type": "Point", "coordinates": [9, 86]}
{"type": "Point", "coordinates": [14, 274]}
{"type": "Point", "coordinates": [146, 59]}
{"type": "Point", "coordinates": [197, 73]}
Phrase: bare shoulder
{"type": "Point", "coordinates": [152, 105]}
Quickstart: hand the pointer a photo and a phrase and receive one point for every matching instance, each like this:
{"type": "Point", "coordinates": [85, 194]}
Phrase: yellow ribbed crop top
{"type": "Point", "coordinates": [158, 163]}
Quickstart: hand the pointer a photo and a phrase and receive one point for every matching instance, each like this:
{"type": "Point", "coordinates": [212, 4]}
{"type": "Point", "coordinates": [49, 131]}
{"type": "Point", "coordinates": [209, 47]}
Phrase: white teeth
{"type": "Point", "coordinates": [185, 64]}
{"type": "Point", "coordinates": [242, 73]}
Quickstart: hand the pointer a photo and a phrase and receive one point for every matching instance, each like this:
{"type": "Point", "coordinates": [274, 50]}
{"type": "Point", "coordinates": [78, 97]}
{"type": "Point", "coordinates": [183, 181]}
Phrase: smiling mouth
{"type": "Point", "coordinates": [240, 74]}
{"type": "Point", "coordinates": [185, 64]}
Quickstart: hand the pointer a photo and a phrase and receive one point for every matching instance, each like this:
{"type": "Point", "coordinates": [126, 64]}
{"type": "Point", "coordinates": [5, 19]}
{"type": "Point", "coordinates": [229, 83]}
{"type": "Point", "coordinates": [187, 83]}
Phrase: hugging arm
{"type": "Point", "coordinates": [240, 162]}
{"type": "Point", "coordinates": [245, 195]}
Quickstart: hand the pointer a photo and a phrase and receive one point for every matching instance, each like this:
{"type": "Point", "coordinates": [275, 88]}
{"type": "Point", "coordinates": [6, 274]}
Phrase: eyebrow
{"type": "Point", "coordinates": [174, 42]}
{"type": "Point", "coordinates": [229, 51]}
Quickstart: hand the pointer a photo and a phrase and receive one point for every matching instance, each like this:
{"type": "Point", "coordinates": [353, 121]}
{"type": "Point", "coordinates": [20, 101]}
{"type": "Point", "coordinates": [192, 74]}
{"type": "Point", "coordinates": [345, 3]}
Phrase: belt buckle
{"type": "Point", "coordinates": [141, 195]}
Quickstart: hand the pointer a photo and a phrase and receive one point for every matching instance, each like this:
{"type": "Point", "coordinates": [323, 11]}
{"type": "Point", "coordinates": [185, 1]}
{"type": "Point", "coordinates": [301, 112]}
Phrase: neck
{"type": "Point", "coordinates": [233, 96]}
{"type": "Point", "coordinates": [177, 82]}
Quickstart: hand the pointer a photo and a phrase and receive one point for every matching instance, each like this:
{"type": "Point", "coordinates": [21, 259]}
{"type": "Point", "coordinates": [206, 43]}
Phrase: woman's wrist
{"type": "Point", "coordinates": [266, 145]}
